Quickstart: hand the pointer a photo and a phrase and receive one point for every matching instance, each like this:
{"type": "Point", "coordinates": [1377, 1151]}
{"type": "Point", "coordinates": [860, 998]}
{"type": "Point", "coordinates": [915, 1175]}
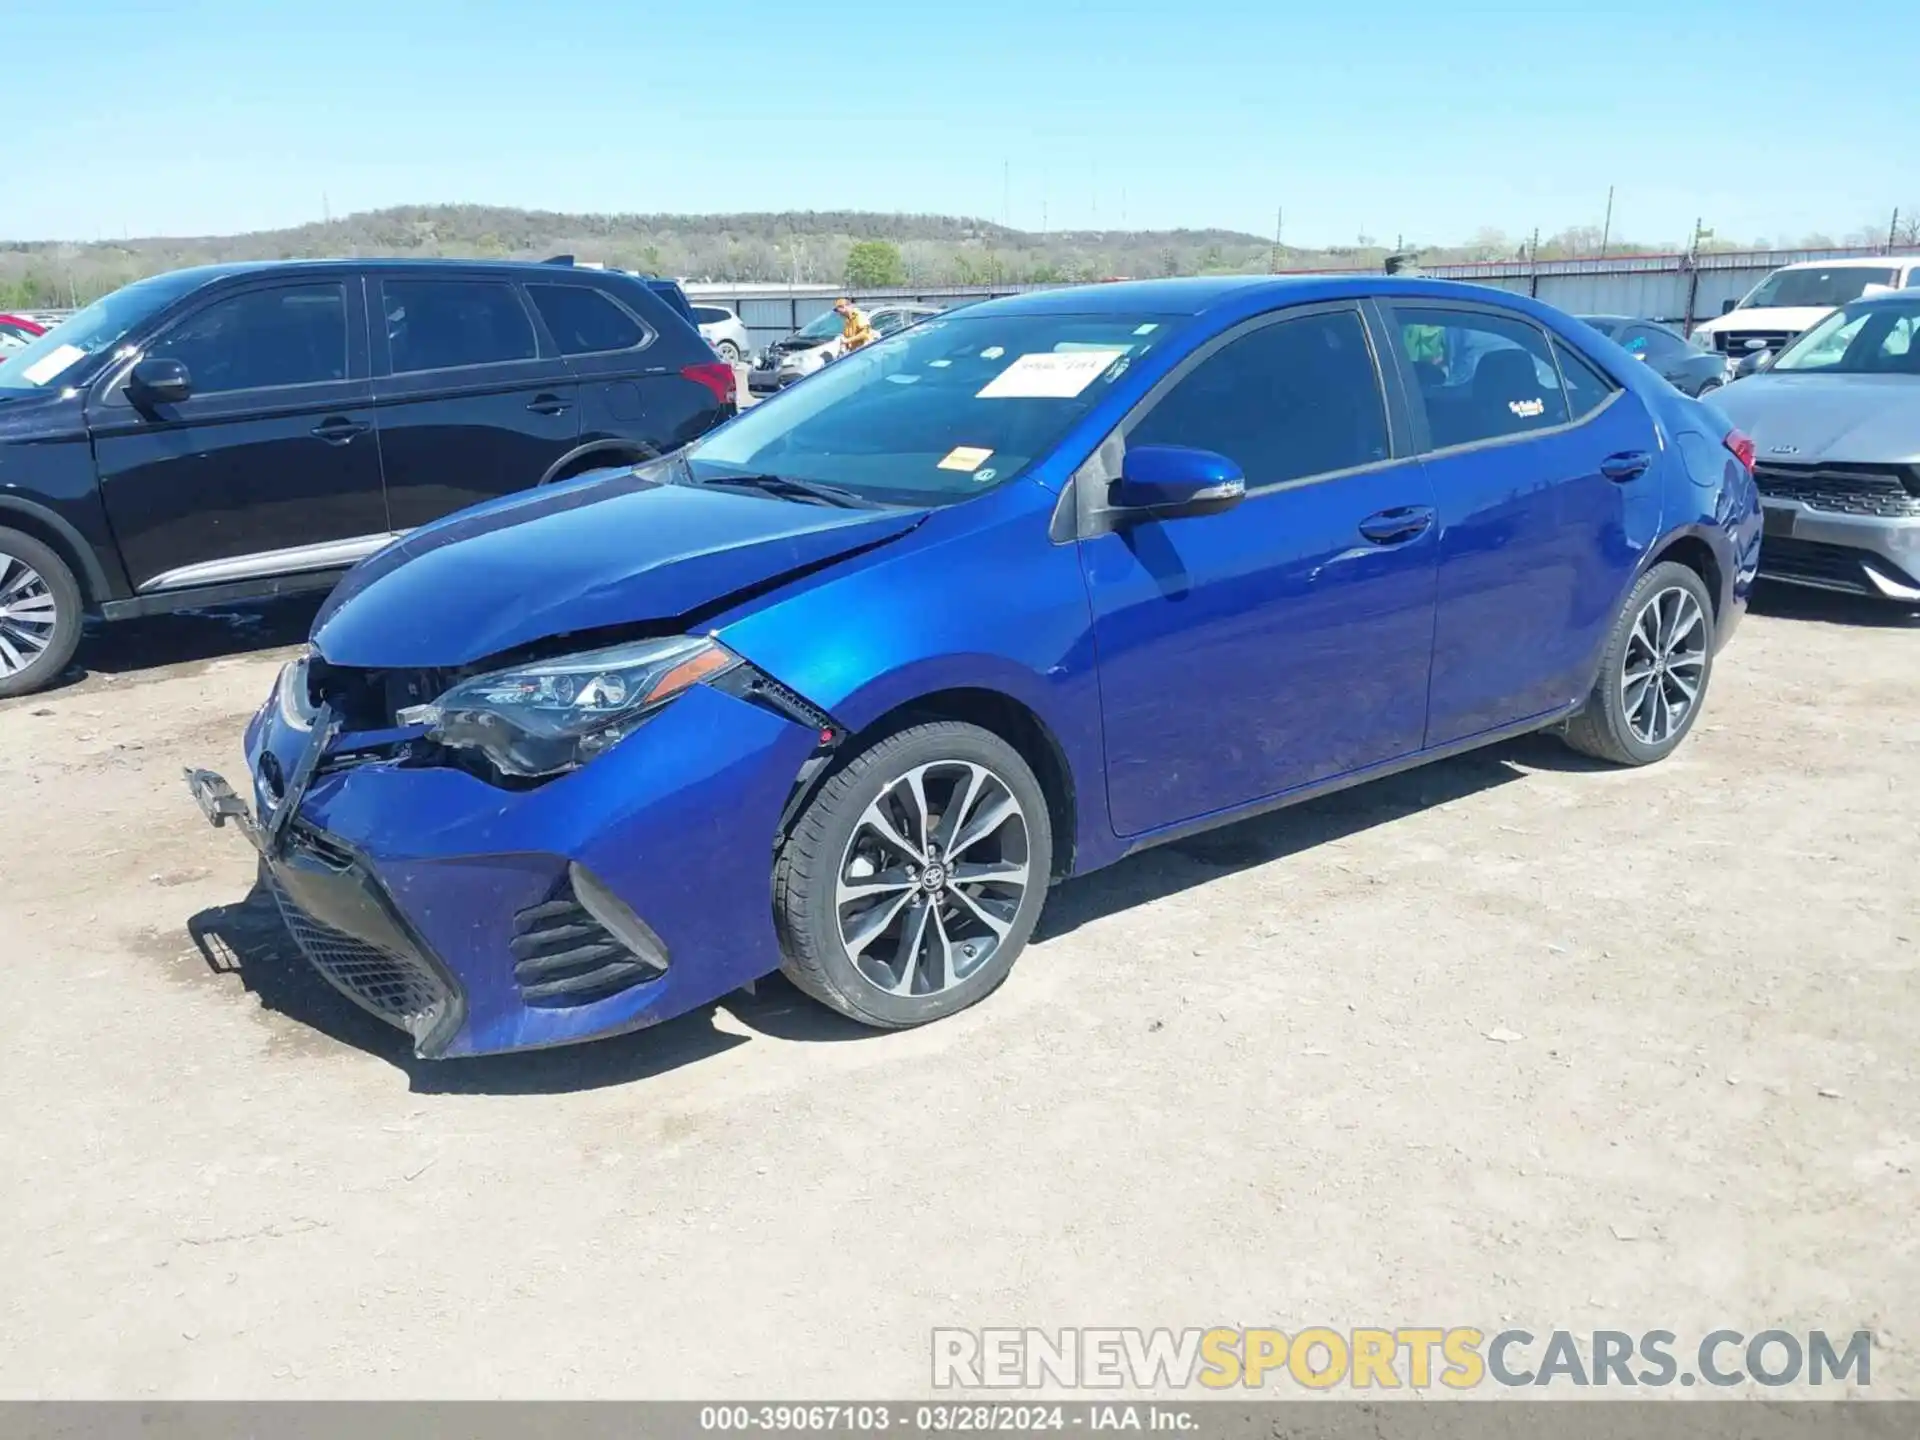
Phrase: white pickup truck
{"type": "Point", "coordinates": [1794, 298]}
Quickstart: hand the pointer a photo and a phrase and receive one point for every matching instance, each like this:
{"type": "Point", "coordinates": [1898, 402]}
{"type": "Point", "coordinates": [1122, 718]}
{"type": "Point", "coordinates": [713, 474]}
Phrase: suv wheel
{"type": "Point", "coordinates": [914, 877]}
{"type": "Point", "coordinates": [1653, 676]}
{"type": "Point", "coordinates": [729, 352]}
{"type": "Point", "coordinates": [39, 614]}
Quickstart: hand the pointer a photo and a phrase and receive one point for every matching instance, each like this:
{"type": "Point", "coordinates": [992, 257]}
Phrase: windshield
{"type": "Point", "coordinates": [1817, 285]}
{"type": "Point", "coordinates": [821, 327]}
{"type": "Point", "coordinates": [99, 327]}
{"type": "Point", "coordinates": [1859, 340]}
{"type": "Point", "coordinates": [940, 412]}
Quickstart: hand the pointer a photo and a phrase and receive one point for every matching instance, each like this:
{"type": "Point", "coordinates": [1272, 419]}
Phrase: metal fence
{"type": "Point", "coordinates": [770, 311]}
{"type": "Point", "coordinates": [1678, 289]}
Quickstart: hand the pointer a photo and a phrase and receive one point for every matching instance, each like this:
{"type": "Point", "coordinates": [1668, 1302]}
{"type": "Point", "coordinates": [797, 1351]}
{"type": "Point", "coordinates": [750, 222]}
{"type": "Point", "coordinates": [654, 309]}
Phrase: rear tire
{"type": "Point", "coordinates": [40, 608]}
{"type": "Point", "coordinates": [1654, 673]}
{"type": "Point", "coordinates": [913, 879]}
{"type": "Point", "coordinates": [1708, 389]}
{"type": "Point", "coordinates": [728, 351]}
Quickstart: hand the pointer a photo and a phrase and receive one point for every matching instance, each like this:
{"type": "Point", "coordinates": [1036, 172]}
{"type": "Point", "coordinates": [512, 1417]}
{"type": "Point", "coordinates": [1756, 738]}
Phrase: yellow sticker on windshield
{"type": "Point", "coordinates": [965, 457]}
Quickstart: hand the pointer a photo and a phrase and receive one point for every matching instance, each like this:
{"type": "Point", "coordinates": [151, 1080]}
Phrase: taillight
{"type": "Point", "coordinates": [1741, 444]}
{"type": "Point", "coordinates": [716, 375]}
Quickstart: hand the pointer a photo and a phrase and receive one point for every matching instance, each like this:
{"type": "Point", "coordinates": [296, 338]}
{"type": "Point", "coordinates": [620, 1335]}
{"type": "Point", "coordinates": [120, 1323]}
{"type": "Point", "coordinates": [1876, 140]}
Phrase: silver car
{"type": "Point", "coordinates": [1835, 423]}
{"type": "Point", "coordinates": [721, 329]}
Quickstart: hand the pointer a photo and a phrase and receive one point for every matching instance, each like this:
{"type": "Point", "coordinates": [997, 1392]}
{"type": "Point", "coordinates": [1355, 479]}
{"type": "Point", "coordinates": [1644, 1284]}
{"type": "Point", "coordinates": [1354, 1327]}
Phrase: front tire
{"type": "Point", "coordinates": [913, 879]}
{"type": "Point", "coordinates": [1653, 676]}
{"type": "Point", "coordinates": [40, 609]}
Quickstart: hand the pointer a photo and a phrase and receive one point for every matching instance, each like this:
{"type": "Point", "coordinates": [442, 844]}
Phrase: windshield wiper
{"type": "Point", "coordinates": [793, 487]}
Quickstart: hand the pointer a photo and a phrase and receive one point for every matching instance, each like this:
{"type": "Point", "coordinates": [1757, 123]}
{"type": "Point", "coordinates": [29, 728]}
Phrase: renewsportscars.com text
{"type": "Point", "coordinates": [1413, 1357]}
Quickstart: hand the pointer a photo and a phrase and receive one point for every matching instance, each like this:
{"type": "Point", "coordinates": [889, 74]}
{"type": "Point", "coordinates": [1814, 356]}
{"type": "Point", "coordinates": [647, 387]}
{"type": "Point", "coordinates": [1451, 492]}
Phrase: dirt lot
{"type": "Point", "coordinates": [1510, 1040]}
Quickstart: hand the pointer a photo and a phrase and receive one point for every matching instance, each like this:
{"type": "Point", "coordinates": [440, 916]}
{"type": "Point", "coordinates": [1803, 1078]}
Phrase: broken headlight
{"type": "Point", "coordinates": [549, 716]}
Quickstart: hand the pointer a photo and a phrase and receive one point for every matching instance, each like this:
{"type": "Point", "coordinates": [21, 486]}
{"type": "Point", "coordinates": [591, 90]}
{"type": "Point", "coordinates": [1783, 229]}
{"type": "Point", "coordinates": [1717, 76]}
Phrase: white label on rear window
{"type": "Point", "coordinates": [1049, 376]}
{"type": "Point", "coordinates": [51, 364]}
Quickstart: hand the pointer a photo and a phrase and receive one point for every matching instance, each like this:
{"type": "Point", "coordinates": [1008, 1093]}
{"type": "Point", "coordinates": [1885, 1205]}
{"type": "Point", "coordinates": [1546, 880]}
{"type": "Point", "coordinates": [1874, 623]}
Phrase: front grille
{"type": "Point", "coordinates": [1892, 491]}
{"type": "Point", "coordinates": [401, 989]}
{"type": "Point", "coordinates": [1833, 566]}
{"type": "Point", "coordinates": [1740, 342]}
{"type": "Point", "coordinates": [564, 955]}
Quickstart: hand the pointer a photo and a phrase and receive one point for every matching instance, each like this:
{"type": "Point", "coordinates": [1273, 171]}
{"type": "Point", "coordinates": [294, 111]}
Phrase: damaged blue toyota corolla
{"type": "Point", "coordinates": [841, 688]}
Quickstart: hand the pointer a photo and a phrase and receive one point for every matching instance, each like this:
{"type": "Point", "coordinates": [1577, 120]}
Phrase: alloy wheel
{"type": "Point", "coordinates": [933, 877]}
{"type": "Point", "coordinates": [28, 616]}
{"type": "Point", "coordinates": [1664, 666]}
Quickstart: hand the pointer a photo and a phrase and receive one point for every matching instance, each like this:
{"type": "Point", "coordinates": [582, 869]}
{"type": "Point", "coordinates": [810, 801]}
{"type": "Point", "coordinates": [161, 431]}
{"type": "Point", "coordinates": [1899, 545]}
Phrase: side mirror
{"type": "Point", "coordinates": [1727, 307]}
{"type": "Point", "coordinates": [159, 382]}
{"type": "Point", "coordinates": [1174, 480]}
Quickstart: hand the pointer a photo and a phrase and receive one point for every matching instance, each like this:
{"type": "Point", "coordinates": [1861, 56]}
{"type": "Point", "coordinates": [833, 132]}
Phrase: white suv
{"type": "Point", "coordinates": [1795, 298]}
{"type": "Point", "coordinates": [721, 329]}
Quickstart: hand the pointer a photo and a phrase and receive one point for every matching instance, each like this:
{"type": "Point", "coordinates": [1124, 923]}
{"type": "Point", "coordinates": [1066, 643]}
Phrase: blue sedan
{"type": "Point", "coordinates": [843, 687]}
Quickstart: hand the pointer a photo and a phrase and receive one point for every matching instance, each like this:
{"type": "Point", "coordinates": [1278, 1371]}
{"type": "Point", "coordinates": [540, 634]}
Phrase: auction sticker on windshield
{"type": "Point", "coordinates": [51, 364]}
{"type": "Point", "coordinates": [964, 457]}
{"type": "Point", "coordinates": [1049, 376]}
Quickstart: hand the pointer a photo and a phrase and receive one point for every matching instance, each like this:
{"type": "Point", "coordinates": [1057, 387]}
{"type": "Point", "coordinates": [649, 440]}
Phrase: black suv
{"type": "Point", "coordinates": [241, 431]}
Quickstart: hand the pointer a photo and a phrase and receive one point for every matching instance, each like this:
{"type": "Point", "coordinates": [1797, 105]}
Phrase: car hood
{"type": "Point", "coordinates": [1789, 318]}
{"type": "Point", "coordinates": [33, 414]}
{"type": "Point", "coordinates": [1805, 419]}
{"type": "Point", "coordinates": [608, 550]}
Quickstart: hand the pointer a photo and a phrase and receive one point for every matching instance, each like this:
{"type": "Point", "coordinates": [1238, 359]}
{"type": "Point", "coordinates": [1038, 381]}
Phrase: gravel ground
{"type": "Point", "coordinates": [1511, 1040]}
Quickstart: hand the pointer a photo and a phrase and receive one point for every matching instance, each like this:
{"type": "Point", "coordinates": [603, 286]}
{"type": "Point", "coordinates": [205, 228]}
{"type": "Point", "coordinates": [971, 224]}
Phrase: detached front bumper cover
{"type": "Point", "coordinates": [342, 920]}
{"type": "Point", "coordinates": [483, 917]}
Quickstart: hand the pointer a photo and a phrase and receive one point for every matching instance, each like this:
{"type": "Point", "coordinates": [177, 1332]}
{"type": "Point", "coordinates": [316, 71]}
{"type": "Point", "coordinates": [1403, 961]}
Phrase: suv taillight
{"type": "Point", "coordinates": [716, 375]}
{"type": "Point", "coordinates": [1741, 444]}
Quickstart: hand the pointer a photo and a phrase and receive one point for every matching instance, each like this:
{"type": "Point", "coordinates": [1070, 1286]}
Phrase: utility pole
{"type": "Point", "coordinates": [1893, 229]}
{"type": "Point", "coordinates": [1606, 227]}
{"type": "Point", "coordinates": [326, 209]}
{"type": "Point", "coordinates": [1273, 266]}
{"type": "Point", "coordinates": [1006, 193]}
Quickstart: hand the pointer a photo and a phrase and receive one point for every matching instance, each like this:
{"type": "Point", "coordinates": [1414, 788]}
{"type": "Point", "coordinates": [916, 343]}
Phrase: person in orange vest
{"type": "Point", "coordinates": [854, 329]}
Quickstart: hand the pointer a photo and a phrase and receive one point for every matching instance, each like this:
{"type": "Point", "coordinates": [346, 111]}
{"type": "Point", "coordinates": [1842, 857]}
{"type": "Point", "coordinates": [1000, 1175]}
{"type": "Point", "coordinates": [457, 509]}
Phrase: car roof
{"type": "Point", "coordinates": [1854, 262]}
{"type": "Point", "coordinates": [1198, 295]}
{"type": "Point", "coordinates": [1892, 299]}
{"type": "Point", "coordinates": [209, 273]}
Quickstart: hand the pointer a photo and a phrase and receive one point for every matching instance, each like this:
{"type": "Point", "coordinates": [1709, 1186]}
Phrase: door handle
{"type": "Point", "coordinates": [548, 405]}
{"type": "Point", "coordinates": [1398, 525]}
{"type": "Point", "coordinates": [1627, 465]}
{"type": "Point", "coordinates": [339, 430]}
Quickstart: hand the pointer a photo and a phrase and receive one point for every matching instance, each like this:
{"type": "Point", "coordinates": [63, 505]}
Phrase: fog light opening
{"type": "Point", "coordinates": [616, 916]}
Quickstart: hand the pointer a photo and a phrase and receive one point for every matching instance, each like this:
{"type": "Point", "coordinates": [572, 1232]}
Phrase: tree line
{"type": "Point", "coordinates": [859, 249]}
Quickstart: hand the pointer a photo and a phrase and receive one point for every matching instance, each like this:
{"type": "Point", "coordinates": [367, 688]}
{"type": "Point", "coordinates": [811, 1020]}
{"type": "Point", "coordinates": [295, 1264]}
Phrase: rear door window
{"type": "Point", "coordinates": [583, 321]}
{"type": "Point", "coordinates": [1587, 388]}
{"type": "Point", "coordinates": [1481, 376]}
{"type": "Point", "coordinates": [1288, 400]}
{"type": "Point", "coordinates": [448, 324]}
{"type": "Point", "coordinates": [262, 339]}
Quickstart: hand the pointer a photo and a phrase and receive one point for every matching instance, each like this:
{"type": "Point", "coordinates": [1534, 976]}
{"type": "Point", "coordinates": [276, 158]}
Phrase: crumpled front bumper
{"type": "Point", "coordinates": [666, 842]}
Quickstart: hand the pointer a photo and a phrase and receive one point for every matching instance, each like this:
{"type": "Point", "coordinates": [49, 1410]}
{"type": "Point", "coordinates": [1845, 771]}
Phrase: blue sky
{"type": "Point", "coordinates": [1381, 117]}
